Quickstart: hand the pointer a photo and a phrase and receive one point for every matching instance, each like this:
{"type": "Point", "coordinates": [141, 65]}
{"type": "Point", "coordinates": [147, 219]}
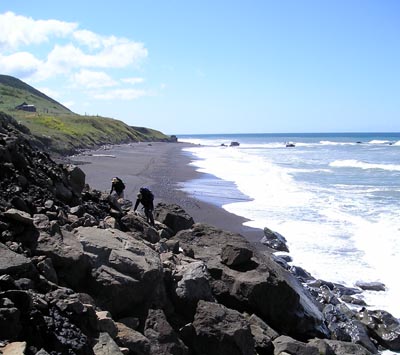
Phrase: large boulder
{"type": "Point", "coordinates": [76, 178]}
{"type": "Point", "coordinates": [131, 339]}
{"type": "Point", "coordinates": [70, 262]}
{"type": "Point", "coordinates": [191, 285]}
{"type": "Point", "coordinates": [163, 339]}
{"type": "Point", "coordinates": [263, 335]}
{"type": "Point", "coordinates": [287, 345]}
{"type": "Point", "coordinates": [125, 271]}
{"type": "Point", "coordinates": [139, 227]}
{"type": "Point", "coordinates": [344, 326]}
{"type": "Point", "coordinates": [218, 330]}
{"type": "Point", "coordinates": [337, 347]}
{"type": "Point", "coordinates": [382, 326]}
{"type": "Point", "coordinates": [274, 240]}
{"type": "Point", "coordinates": [105, 345]}
{"type": "Point", "coordinates": [260, 286]}
{"type": "Point", "coordinates": [173, 216]}
{"type": "Point", "coordinates": [15, 264]}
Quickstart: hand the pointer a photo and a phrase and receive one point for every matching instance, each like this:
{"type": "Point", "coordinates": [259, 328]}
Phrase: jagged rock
{"type": "Point", "coordinates": [46, 268]}
{"type": "Point", "coordinates": [136, 342]}
{"type": "Point", "coordinates": [76, 178]}
{"type": "Point", "coordinates": [263, 335]}
{"type": "Point", "coordinates": [125, 273]}
{"type": "Point", "coordinates": [106, 324]}
{"type": "Point", "coordinates": [336, 347]}
{"type": "Point", "coordinates": [263, 286]}
{"type": "Point", "coordinates": [344, 326]}
{"type": "Point", "coordinates": [15, 264]}
{"type": "Point", "coordinates": [192, 284]}
{"type": "Point", "coordinates": [371, 286]}
{"type": "Point", "coordinates": [72, 265]}
{"type": "Point", "coordinates": [105, 345]}
{"type": "Point", "coordinates": [163, 339]}
{"type": "Point", "coordinates": [218, 330]}
{"type": "Point", "coordinates": [274, 240]}
{"type": "Point", "coordinates": [173, 216]}
{"type": "Point", "coordinates": [382, 326]}
{"type": "Point", "coordinates": [139, 227]}
{"type": "Point", "coordinates": [41, 222]}
{"type": "Point", "coordinates": [77, 210]}
{"type": "Point", "coordinates": [19, 216]}
{"type": "Point", "coordinates": [232, 255]}
{"type": "Point", "coordinates": [62, 192]}
{"type": "Point", "coordinates": [301, 274]}
{"type": "Point", "coordinates": [287, 345]}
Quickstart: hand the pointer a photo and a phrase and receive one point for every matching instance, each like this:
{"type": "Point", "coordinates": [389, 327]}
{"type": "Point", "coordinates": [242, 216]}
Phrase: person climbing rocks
{"type": "Point", "coordinates": [118, 186]}
{"type": "Point", "coordinates": [146, 198]}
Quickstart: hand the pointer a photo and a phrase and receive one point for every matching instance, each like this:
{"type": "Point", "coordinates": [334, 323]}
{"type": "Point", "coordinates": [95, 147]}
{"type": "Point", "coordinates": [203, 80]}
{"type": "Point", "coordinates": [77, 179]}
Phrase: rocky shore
{"type": "Point", "coordinates": [81, 273]}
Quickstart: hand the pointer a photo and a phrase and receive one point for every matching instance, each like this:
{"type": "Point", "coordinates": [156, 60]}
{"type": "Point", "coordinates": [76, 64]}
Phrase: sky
{"type": "Point", "coordinates": [212, 66]}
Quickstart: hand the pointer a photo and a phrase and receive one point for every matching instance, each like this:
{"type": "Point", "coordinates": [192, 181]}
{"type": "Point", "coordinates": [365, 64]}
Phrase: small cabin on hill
{"type": "Point", "coordinates": [25, 107]}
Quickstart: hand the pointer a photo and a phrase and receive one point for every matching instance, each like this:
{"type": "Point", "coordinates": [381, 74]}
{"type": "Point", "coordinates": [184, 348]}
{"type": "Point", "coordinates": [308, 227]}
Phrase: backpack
{"type": "Point", "coordinates": [147, 194]}
{"type": "Point", "coordinates": [120, 182]}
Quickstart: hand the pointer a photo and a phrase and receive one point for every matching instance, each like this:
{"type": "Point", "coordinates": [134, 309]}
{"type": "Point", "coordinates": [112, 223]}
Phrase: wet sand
{"type": "Point", "coordinates": [161, 167]}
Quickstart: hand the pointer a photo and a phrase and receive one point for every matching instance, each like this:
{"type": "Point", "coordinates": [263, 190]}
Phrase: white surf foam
{"type": "Point", "coordinates": [350, 163]}
{"type": "Point", "coordinates": [331, 231]}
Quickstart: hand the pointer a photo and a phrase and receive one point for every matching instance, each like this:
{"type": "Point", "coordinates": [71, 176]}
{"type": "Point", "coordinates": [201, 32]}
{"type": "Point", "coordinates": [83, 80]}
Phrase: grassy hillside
{"type": "Point", "coordinates": [58, 128]}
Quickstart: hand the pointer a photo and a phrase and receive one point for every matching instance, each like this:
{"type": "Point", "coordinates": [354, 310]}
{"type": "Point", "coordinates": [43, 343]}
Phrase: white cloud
{"type": "Point", "coordinates": [20, 64]}
{"type": "Point", "coordinates": [16, 30]}
{"type": "Point", "coordinates": [120, 94]}
{"type": "Point", "coordinates": [88, 38]}
{"type": "Point", "coordinates": [93, 79]}
{"type": "Point", "coordinates": [133, 81]}
{"type": "Point", "coordinates": [83, 48]}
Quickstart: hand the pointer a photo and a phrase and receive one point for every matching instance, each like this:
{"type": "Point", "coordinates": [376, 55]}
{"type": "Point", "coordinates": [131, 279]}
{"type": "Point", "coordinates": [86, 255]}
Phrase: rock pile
{"type": "Point", "coordinates": [80, 273]}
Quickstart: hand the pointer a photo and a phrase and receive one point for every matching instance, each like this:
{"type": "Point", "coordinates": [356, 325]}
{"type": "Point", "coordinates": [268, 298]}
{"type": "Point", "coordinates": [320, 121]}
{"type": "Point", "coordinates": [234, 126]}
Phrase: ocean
{"type": "Point", "coordinates": [335, 197]}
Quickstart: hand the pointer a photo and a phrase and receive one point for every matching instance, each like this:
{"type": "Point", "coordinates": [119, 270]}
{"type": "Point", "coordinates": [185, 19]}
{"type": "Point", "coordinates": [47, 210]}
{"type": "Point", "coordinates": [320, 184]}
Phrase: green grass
{"type": "Point", "coordinates": [59, 129]}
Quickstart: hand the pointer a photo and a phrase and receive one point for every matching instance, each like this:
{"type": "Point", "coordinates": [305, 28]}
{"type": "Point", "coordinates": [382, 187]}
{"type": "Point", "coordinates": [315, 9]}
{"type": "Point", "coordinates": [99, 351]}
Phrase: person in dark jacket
{"type": "Point", "coordinates": [118, 186]}
{"type": "Point", "coordinates": [146, 197]}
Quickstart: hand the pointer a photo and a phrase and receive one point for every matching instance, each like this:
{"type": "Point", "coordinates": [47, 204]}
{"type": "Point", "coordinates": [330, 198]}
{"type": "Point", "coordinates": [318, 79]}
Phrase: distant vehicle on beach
{"type": "Point", "coordinates": [234, 144]}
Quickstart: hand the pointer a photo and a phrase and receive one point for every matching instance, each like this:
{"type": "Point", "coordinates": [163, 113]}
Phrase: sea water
{"type": "Point", "coordinates": [334, 197]}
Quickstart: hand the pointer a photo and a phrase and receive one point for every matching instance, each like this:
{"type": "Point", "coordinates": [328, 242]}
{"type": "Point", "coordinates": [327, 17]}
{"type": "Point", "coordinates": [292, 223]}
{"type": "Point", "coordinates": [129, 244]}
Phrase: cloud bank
{"type": "Point", "coordinates": [42, 50]}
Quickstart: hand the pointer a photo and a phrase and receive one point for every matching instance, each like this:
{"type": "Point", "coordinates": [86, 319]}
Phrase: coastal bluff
{"type": "Point", "coordinates": [81, 273]}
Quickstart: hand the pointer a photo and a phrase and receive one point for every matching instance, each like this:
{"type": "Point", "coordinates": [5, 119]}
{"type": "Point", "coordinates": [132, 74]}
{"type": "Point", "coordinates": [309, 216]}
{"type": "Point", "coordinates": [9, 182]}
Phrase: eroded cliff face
{"type": "Point", "coordinates": [81, 273]}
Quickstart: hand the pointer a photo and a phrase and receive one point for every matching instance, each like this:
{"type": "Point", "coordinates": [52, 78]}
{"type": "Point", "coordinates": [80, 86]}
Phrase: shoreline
{"type": "Point", "coordinates": [161, 167]}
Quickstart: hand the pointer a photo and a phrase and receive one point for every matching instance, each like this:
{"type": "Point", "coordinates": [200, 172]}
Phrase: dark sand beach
{"type": "Point", "coordinates": [161, 167]}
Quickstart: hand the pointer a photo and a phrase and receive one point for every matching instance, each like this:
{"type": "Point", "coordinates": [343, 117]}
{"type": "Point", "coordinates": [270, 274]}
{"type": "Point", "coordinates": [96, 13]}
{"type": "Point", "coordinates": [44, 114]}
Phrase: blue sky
{"type": "Point", "coordinates": [183, 66]}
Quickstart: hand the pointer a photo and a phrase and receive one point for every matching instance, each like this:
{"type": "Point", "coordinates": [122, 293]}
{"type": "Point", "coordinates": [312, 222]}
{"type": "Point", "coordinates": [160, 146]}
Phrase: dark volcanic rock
{"type": "Point", "coordinates": [274, 240]}
{"type": "Point", "coordinates": [173, 216]}
{"type": "Point", "coordinates": [218, 330]}
{"type": "Point", "coordinates": [163, 339]}
{"type": "Point", "coordinates": [371, 286]}
{"type": "Point", "coordinates": [125, 271]}
{"type": "Point", "coordinates": [266, 288]}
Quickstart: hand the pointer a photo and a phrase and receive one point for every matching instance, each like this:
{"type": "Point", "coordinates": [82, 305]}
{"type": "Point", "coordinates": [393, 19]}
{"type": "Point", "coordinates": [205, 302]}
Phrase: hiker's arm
{"type": "Point", "coordinates": [136, 205]}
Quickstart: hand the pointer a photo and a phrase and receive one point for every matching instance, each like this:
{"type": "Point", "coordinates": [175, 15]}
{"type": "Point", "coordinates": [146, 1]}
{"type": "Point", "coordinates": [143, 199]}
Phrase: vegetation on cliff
{"type": "Point", "coordinates": [57, 129]}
